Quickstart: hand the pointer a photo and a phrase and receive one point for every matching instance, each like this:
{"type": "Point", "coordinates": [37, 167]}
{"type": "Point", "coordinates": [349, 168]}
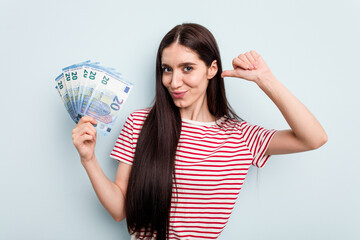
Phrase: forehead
{"type": "Point", "coordinates": [176, 53]}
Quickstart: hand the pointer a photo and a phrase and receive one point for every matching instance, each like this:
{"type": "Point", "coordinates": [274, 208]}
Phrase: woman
{"type": "Point", "coordinates": [183, 161]}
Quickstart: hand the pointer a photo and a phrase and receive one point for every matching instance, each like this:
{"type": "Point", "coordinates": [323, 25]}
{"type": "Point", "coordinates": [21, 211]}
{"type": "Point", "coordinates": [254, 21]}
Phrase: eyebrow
{"type": "Point", "coordinates": [180, 65]}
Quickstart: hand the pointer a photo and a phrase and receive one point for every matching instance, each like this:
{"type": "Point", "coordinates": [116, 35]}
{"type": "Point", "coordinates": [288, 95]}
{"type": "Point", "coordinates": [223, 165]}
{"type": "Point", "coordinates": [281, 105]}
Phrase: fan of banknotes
{"type": "Point", "coordinates": [89, 89]}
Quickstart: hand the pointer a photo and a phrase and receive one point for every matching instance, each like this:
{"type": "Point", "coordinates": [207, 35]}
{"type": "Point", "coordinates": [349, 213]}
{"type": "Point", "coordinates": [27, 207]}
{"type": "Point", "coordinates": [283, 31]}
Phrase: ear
{"type": "Point", "coordinates": [212, 70]}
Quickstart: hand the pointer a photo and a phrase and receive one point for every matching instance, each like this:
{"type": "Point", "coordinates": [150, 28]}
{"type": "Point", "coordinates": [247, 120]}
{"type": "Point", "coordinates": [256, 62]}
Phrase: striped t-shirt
{"type": "Point", "coordinates": [211, 162]}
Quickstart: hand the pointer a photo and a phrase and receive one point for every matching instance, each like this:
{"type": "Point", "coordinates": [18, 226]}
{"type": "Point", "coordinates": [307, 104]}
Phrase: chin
{"type": "Point", "coordinates": [180, 103]}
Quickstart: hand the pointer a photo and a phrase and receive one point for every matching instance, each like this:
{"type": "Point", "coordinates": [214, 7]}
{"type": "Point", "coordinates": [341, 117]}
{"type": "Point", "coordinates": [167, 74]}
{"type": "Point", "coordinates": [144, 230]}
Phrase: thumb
{"type": "Point", "coordinates": [229, 73]}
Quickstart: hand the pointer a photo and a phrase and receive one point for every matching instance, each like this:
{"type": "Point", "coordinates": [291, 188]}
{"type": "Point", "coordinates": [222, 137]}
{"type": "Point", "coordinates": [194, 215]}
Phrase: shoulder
{"type": "Point", "coordinates": [141, 112]}
{"type": "Point", "coordinates": [139, 116]}
{"type": "Point", "coordinates": [231, 123]}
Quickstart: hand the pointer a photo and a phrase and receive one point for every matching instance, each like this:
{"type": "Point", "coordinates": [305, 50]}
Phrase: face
{"type": "Point", "coordinates": [186, 76]}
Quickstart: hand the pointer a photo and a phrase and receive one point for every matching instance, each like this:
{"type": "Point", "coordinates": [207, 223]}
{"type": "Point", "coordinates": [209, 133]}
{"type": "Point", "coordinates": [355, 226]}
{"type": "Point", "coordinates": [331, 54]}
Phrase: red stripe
{"type": "Point", "coordinates": [197, 222]}
{"type": "Point", "coordinates": [192, 137]}
{"type": "Point", "coordinates": [123, 150]}
{"type": "Point", "coordinates": [206, 203]}
{"type": "Point", "coordinates": [120, 153]}
{"type": "Point", "coordinates": [207, 184]}
{"type": "Point", "coordinates": [212, 198]}
{"type": "Point", "coordinates": [216, 166]}
{"type": "Point", "coordinates": [180, 237]}
{"type": "Point", "coordinates": [207, 208]}
{"type": "Point", "coordinates": [198, 226]}
{"type": "Point", "coordinates": [185, 141]}
{"type": "Point", "coordinates": [194, 134]}
{"type": "Point", "coordinates": [203, 193]}
{"type": "Point", "coordinates": [198, 213]}
{"type": "Point", "coordinates": [210, 180]}
{"type": "Point", "coordinates": [212, 175]}
{"type": "Point", "coordinates": [118, 157]}
{"type": "Point", "coordinates": [213, 189]}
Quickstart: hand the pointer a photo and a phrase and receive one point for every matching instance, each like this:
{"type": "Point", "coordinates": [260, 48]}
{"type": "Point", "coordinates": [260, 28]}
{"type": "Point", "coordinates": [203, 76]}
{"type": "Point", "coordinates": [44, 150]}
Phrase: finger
{"type": "Point", "coordinates": [89, 129]}
{"type": "Point", "coordinates": [86, 137]}
{"type": "Point", "coordinates": [79, 138]}
{"type": "Point", "coordinates": [255, 55]}
{"type": "Point", "coordinates": [229, 73]}
{"type": "Point", "coordinates": [79, 127]}
{"type": "Point", "coordinates": [85, 119]}
{"type": "Point", "coordinates": [243, 58]}
{"type": "Point", "coordinates": [239, 63]}
{"type": "Point", "coordinates": [93, 137]}
{"type": "Point", "coordinates": [251, 59]}
{"type": "Point", "coordinates": [86, 127]}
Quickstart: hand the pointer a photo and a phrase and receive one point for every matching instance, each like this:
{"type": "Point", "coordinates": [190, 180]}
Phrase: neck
{"type": "Point", "coordinates": [199, 112]}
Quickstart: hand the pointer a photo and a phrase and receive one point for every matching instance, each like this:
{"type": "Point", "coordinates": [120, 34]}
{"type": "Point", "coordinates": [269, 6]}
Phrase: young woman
{"type": "Point", "coordinates": [183, 161]}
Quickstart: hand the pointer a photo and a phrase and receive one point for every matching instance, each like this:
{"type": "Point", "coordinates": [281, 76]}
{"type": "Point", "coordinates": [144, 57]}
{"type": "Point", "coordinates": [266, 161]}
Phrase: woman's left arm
{"type": "Point", "coordinates": [306, 133]}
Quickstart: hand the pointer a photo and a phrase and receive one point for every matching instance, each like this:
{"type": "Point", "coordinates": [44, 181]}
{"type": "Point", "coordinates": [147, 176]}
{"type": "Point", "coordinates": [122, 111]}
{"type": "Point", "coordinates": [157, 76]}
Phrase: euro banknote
{"type": "Point", "coordinates": [89, 89]}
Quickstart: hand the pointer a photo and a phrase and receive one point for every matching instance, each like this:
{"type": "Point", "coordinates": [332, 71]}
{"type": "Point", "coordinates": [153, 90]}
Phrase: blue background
{"type": "Point", "coordinates": [311, 46]}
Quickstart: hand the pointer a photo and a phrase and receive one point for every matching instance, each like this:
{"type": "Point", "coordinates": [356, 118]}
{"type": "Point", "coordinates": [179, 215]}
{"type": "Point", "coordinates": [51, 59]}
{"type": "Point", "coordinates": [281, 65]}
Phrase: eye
{"type": "Point", "coordinates": [188, 68]}
{"type": "Point", "coordinates": [166, 69]}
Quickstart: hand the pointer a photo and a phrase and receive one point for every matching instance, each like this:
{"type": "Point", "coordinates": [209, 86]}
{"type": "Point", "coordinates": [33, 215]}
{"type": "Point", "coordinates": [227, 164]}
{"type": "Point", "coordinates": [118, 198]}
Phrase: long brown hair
{"type": "Point", "coordinates": [148, 197]}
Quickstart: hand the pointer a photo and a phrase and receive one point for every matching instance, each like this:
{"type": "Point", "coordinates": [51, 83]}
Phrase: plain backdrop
{"type": "Point", "coordinates": [311, 46]}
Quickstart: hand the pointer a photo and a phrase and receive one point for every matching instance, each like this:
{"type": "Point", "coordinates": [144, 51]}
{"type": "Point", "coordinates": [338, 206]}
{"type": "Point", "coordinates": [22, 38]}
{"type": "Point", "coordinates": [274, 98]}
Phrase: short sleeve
{"type": "Point", "coordinates": [124, 149]}
{"type": "Point", "coordinates": [257, 140]}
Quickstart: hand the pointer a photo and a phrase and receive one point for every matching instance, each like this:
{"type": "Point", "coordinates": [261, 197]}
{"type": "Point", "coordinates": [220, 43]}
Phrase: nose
{"type": "Point", "coordinates": [176, 80]}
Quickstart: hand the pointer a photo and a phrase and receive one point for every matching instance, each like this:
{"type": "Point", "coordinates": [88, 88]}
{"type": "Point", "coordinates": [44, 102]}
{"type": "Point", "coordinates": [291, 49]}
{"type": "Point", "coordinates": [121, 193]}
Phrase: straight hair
{"type": "Point", "coordinates": [150, 189]}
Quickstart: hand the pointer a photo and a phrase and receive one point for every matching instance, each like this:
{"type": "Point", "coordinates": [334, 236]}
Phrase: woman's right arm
{"type": "Point", "coordinates": [111, 194]}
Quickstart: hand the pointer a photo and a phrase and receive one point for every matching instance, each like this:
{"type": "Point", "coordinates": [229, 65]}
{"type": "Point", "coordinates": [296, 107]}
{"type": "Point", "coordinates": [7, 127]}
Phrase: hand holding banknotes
{"type": "Point", "coordinates": [84, 138]}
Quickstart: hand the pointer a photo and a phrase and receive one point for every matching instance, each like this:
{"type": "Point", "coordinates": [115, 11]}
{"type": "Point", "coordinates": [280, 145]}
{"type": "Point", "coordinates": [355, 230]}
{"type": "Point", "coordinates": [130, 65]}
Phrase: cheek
{"type": "Point", "coordinates": [165, 81]}
{"type": "Point", "coordinates": [197, 81]}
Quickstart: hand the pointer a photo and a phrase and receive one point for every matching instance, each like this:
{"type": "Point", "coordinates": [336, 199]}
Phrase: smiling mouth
{"type": "Point", "coordinates": [178, 94]}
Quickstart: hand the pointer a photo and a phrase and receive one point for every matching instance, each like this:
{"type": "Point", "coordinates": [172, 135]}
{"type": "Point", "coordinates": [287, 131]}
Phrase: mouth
{"type": "Point", "coordinates": [179, 94]}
